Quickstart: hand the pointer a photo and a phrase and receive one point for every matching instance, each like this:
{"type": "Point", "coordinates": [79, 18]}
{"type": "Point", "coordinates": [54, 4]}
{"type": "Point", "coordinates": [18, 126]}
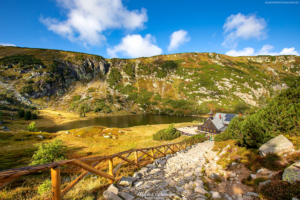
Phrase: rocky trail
{"type": "Point", "coordinates": [188, 174]}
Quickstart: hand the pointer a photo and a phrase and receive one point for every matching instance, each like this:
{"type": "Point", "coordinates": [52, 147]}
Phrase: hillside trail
{"type": "Point", "coordinates": [188, 174]}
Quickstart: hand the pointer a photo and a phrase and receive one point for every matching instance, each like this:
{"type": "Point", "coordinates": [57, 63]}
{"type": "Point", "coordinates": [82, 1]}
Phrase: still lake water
{"type": "Point", "coordinates": [123, 121]}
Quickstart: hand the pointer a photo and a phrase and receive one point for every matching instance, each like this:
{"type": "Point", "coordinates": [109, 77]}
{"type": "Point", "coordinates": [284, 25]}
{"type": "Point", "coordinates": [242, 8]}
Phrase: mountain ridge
{"type": "Point", "coordinates": [182, 84]}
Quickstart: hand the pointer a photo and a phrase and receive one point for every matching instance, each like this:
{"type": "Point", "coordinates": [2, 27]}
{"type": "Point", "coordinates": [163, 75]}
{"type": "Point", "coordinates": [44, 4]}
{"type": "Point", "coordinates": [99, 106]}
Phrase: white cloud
{"type": "Point", "coordinates": [289, 51]}
{"type": "Point", "coordinates": [7, 44]}
{"type": "Point", "coordinates": [243, 27]}
{"type": "Point", "coordinates": [245, 52]}
{"type": "Point", "coordinates": [135, 46]}
{"type": "Point", "coordinates": [265, 50]}
{"type": "Point", "coordinates": [86, 20]}
{"type": "Point", "coordinates": [178, 38]}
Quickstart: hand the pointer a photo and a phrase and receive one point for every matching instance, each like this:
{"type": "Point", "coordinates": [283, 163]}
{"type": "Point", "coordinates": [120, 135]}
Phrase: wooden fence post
{"type": "Point", "coordinates": [136, 155]}
{"type": "Point", "coordinates": [111, 168]}
{"type": "Point", "coordinates": [173, 147]}
{"type": "Point", "coordinates": [56, 183]}
{"type": "Point", "coordinates": [152, 154]}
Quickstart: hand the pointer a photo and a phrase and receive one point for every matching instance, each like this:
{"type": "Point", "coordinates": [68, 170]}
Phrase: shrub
{"type": "Point", "coordinates": [197, 136]}
{"type": "Point", "coordinates": [129, 70]}
{"type": "Point", "coordinates": [27, 89]}
{"type": "Point", "coordinates": [31, 127]}
{"type": "Point", "coordinates": [48, 152]}
{"type": "Point", "coordinates": [278, 189]}
{"type": "Point", "coordinates": [114, 77]}
{"type": "Point", "coordinates": [76, 97]}
{"type": "Point", "coordinates": [34, 116]}
{"type": "Point", "coordinates": [167, 134]}
{"type": "Point", "coordinates": [27, 115]}
{"type": "Point", "coordinates": [45, 187]}
{"type": "Point", "coordinates": [83, 108]}
{"type": "Point", "coordinates": [21, 113]}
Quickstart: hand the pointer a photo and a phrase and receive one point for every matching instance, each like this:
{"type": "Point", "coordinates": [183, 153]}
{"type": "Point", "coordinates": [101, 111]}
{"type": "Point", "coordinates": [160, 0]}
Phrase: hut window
{"type": "Point", "coordinates": [214, 130]}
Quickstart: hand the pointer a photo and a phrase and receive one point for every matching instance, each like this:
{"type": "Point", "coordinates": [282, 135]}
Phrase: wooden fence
{"type": "Point", "coordinates": [6, 176]}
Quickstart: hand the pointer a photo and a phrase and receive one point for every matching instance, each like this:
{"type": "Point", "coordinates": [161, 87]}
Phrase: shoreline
{"type": "Point", "coordinates": [64, 118]}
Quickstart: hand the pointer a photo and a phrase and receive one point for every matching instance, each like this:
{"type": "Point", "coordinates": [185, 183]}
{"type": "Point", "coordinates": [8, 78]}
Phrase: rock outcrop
{"type": "Point", "coordinates": [278, 145]}
{"type": "Point", "coordinates": [292, 173]}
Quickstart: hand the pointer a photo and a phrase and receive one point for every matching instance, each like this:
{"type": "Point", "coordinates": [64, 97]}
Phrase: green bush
{"type": "Point", "coordinates": [27, 89]}
{"type": "Point", "coordinates": [114, 77]}
{"type": "Point", "coordinates": [45, 187]}
{"type": "Point", "coordinates": [21, 113]}
{"type": "Point", "coordinates": [83, 108]}
{"type": "Point", "coordinates": [76, 97]}
{"type": "Point", "coordinates": [27, 115]}
{"type": "Point", "coordinates": [34, 116]}
{"type": "Point", "coordinates": [48, 152]}
{"type": "Point", "coordinates": [197, 136]}
{"type": "Point", "coordinates": [31, 127]}
{"type": "Point", "coordinates": [167, 134]}
{"type": "Point", "coordinates": [129, 70]}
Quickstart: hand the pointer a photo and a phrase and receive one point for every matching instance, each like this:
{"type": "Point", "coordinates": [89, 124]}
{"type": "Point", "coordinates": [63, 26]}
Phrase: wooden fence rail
{"type": "Point", "coordinates": [6, 176]}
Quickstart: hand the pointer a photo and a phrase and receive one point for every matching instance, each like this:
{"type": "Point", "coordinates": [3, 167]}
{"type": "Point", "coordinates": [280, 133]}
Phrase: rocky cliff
{"type": "Point", "coordinates": [186, 83]}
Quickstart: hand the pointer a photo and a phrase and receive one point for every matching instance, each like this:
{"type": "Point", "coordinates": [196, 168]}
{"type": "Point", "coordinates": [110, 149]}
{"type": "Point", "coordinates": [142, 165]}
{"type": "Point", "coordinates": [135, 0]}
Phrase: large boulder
{"type": "Point", "coordinates": [278, 145]}
{"type": "Point", "coordinates": [292, 173]}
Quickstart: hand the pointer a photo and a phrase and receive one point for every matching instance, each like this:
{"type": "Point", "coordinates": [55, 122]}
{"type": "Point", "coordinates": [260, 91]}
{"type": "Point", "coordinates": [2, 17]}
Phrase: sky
{"type": "Point", "coordinates": [142, 28]}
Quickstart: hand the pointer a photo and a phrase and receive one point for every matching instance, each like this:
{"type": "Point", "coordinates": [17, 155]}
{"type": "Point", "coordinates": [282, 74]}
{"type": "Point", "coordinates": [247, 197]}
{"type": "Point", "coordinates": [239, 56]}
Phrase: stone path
{"type": "Point", "coordinates": [177, 176]}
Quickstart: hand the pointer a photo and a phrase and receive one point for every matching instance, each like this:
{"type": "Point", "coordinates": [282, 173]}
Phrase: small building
{"type": "Point", "coordinates": [216, 124]}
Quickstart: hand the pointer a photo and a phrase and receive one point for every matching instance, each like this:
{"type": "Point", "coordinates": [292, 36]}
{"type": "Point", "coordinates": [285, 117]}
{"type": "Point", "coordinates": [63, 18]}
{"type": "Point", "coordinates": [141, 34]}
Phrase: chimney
{"type": "Point", "coordinates": [220, 116]}
{"type": "Point", "coordinates": [240, 114]}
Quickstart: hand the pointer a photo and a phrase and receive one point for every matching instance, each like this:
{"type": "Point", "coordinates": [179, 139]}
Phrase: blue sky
{"type": "Point", "coordinates": [135, 28]}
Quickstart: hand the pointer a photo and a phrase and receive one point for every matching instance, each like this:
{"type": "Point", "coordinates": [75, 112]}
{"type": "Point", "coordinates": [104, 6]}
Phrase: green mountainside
{"type": "Point", "coordinates": [181, 84]}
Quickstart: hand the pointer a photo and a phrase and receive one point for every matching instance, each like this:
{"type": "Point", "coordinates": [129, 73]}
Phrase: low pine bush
{"type": "Point", "coordinates": [167, 134]}
{"type": "Point", "coordinates": [48, 152]}
{"type": "Point", "coordinates": [31, 127]}
{"type": "Point", "coordinates": [27, 115]}
{"type": "Point", "coordinates": [21, 113]}
{"type": "Point", "coordinates": [278, 190]}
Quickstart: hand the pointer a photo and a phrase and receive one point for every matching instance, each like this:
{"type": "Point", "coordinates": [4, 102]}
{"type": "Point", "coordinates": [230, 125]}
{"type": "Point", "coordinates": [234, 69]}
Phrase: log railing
{"type": "Point", "coordinates": [9, 175]}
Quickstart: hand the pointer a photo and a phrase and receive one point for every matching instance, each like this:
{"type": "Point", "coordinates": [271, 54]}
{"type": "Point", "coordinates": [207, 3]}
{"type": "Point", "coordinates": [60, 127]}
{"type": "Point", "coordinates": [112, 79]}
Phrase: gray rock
{"type": "Point", "coordinates": [252, 194]}
{"type": "Point", "coordinates": [199, 183]}
{"type": "Point", "coordinates": [112, 188]}
{"type": "Point", "coordinates": [138, 175]}
{"type": "Point", "coordinates": [264, 183]}
{"type": "Point", "coordinates": [278, 145]}
{"type": "Point", "coordinates": [106, 136]}
{"type": "Point", "coordinates": [126, 196]}
{"type": "Point", "coordinates": [5, 128]}
{"type": "Point", "coordinates": [215, 195]}
{"type": "Point", "coordinates": [200, 190]}
{"type": "Point", "coordinates": [127, 181]}
{"type": "Point", "coordinates": [213, 176]}
{"type": "Point", "coordinates": [253, 176]}
{"type": "Point", "coordinates": [292, 173]}
{"type": "Point", "coordinates": [179, 189]}
{"type": "Point", "coordinates": [111, 196]}
{"type": "Point", "coordinates": [294, 198]}
{"type": "Point", "coordinates": [41, 136]}
{"type": "Point", "coordinates": [138, 184]}
{"type": "Point", "coordinates": [151, 166]}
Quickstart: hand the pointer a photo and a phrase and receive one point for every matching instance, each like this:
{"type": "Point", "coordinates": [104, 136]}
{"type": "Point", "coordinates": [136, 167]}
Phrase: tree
{"type": "Point", "coordinates": [83, 108]}
{"type": "Point", "coordinates": [28, 115]}
{"type": "Point", "coordinates": [21, 113]}
{"type": "Point", "coordinates": [48, 152]}
{"type": "Point", "coordinates": [31, 127]}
